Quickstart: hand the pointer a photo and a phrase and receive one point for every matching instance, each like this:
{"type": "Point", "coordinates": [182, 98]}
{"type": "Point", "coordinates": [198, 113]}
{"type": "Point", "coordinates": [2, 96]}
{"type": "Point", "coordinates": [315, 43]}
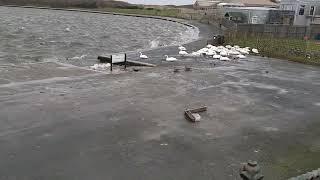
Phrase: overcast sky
{"type": "Point", "coordinates": [161, 2]}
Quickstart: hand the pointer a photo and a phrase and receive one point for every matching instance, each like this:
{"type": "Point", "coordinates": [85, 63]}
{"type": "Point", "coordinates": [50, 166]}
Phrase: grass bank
{"type": "Point", "coordinates": [297, 50]}
{"type": "Point", "coordinates": [166, 12]}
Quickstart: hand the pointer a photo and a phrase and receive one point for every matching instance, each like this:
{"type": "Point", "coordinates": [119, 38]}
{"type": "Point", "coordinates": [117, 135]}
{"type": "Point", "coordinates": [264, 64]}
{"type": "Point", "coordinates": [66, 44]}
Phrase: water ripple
{"type": "Point", "coordinates": [30, 35]}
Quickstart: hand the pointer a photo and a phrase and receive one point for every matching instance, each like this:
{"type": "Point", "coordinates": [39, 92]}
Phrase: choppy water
{"type": "Point", "coordinates": [32, 35]}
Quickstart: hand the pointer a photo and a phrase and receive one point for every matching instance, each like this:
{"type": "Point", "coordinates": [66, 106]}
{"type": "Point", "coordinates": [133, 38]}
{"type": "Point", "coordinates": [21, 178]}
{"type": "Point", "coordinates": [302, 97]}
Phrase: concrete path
{"type": "Point", "coordinates": [62, 122]}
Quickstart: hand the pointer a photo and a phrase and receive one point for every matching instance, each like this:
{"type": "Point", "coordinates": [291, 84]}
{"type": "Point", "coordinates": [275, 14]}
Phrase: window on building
{"type": "Point", "coordinates": [301, 10]}
{"type": "Point", "coordinates": [311, 11]}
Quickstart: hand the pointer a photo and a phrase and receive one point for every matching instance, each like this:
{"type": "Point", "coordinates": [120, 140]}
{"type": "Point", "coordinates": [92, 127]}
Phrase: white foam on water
{"type": "Point", "coordinates": [100, 67]}
{"type": "Point", "coordinates": [78, 57]}
{"type": "Point", "coordinates": [154, 44]}
{"type": "Point", "coordinates": [259, 85]}
{"type": "Point", "coordinates": [67, 29]}
{"type": "Point", "coordinates": [270, 129]}
{"type": "Point", "coordinates": [185, 37]}
{"type": "Point", "coordinates": [316, 103]}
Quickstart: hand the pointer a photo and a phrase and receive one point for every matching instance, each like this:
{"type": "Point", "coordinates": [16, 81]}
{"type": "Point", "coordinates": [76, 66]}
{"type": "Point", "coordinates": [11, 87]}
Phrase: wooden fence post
{"type": "Point", "coordinates": [111, 63]}
{"type": "Point", "coordinates": [125, 61]}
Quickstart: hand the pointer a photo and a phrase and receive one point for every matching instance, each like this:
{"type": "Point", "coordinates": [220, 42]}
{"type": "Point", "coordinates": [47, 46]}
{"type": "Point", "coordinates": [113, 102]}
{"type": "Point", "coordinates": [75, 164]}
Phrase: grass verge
{"type": "Point", "coordinates": [297, 50]}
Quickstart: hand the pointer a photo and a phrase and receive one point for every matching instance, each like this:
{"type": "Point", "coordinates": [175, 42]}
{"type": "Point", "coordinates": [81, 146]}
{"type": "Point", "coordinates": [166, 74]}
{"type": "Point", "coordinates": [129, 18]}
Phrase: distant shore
{"type": "Point", "coordinates": [99, 11]}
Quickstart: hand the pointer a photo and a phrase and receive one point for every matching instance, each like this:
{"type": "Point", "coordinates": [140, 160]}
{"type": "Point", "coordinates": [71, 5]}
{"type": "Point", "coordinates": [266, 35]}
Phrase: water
{"type": "Point", "coordinates": [33, 35]}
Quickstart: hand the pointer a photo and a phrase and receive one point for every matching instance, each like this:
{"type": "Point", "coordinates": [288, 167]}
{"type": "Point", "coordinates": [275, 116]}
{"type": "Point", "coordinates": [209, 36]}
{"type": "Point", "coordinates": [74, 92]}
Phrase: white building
{"type": "Point", "coordinates": [306, 11]}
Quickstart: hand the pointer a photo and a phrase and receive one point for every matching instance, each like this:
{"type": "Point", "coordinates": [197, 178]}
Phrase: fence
{"type": "Point", "coordinates": [228, 24]}
{"type": "Point", "coordinates": [277, 31]}
{"type": "Point", "coordinates": [315, 31]}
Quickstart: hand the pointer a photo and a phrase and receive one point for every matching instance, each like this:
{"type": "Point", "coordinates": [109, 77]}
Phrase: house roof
{"type": "Point", "coordinates": [254, 8]}
{"type": "Point", "coordinates": [255, 2]}
{"type": "Point", "coordinates": [206, 3]}
{"type": "Point", "coordinates": [301, 1]}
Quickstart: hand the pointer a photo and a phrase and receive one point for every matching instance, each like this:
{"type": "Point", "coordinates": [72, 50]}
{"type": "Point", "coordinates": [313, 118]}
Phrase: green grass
{"type": "Point", "coordinates": [296, 161]}
{"type": "Point", "coordinates": [168, 12]}
{"type": "Point", "coordinates": [297, 50]}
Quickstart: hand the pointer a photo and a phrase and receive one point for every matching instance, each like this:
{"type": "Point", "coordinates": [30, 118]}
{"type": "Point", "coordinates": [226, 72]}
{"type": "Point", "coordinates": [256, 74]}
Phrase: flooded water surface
{"type": "Point", "coordinates": [35, 35]}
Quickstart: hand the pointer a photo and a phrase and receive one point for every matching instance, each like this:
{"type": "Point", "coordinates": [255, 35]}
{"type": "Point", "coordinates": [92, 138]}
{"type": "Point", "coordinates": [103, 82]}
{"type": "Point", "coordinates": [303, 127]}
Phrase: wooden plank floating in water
{"type": "Point", "coordinates": [189, 113]}
{"type": "Point", "coordinates": [189, 116]}
{"type": "Point", "coordinates": [138, 63]}
{"type": "Point", "coordinates": [121, 59]}
{"type": "Point", "coordinates": [104, 59]}
{"type": "Point", "coordinates": [197, 110]}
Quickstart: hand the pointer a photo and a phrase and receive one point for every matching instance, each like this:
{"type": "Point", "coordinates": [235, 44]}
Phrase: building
{"type": "Point", "coordinates": [258, 15]}
{"type": "Point", "coordinates": [307, 12]}
{"type": "Point", "coordinates": [248, 3]}
{"type": "Point", "coordinates": [205, 5]}
{"type": "Point", "coordinates": [213, 4]}
{"type": "Point", "coordinates": [237, 17]}
{"type": "Point", "coordinates": [278, 16]}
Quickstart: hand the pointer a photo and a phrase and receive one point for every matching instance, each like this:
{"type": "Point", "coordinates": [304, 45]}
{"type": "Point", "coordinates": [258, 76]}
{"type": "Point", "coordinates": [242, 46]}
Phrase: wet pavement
{"type": "Point", "coordinates": [74, 123]}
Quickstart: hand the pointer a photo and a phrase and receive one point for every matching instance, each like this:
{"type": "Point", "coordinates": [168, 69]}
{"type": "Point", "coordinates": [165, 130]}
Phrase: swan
{"type": "Point", "coordinates": [222, 58]}
{"type": "Point", "coordinates": [244, 51]}
{"type": "Point", "coordinates": [228, 46]}
{"type": "Point", "coordinates": [170, 58]}
{"type": "Point", "coordinates": [219, 50]}
{"type": "Point", "coordinates": [183, 53]}
{"type": "Point", "coordinates": [255, 51]}
{"type": "Point", "coordinates": [240, 56]}
{"type": "Point", "coordinates": [223, 53]}
{"type": "Point", "coordinates": [142, 56]}
{"type": "Point", "coordinates": [234, 52]}
{"type": "Point", "coordinates": [213, 48]}
{"type": "Point", "coordinates": [209, 46]}
{"type": "Point", "coordinates": [203, 50]}
{"type": "Point", "coordinates": [210, 53]}
{"type": "Point", "coordinates": [217, 56]}
{"type": "Point", "coordinates": [181, 48]}
{"type": "Point", "coordinates": [196, 54]}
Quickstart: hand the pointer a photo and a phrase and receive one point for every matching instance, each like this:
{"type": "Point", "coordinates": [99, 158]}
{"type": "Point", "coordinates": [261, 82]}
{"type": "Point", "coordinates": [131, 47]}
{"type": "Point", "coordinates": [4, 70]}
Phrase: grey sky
{"type": "Point", "coordinates": [161, 2]}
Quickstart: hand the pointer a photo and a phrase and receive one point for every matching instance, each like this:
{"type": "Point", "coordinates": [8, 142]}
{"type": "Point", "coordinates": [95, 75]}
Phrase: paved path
{"type": "Point", "coordinates": [67, 123]}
